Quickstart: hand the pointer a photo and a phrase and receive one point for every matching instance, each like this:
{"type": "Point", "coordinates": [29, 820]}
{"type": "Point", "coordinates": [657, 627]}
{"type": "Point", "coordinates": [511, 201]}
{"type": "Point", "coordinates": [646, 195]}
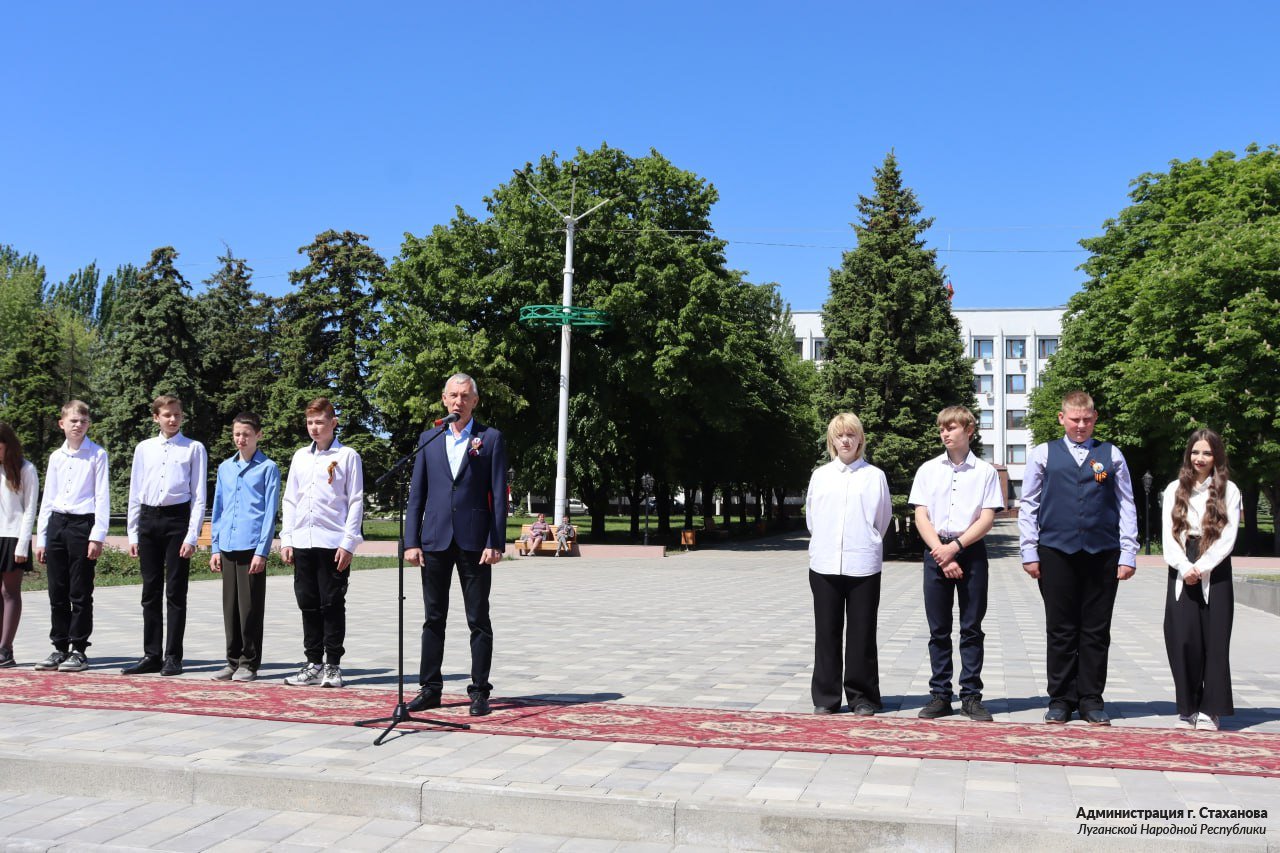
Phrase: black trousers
{"type": "Point", "coordinates": [70, 574]}
{"type": "Point", "coordinates": [1079, 592]}
{"type": "Point", "coordinates": [165, 575]}
{"type": "Point", "coordinates": [244, 605]}
{"type": "Point", "coordinates": [837, 600]}
{"type": "Point", "coordinates": [940, 594]}
{"type": "Point", "coordinates": [1197, 636]}
{"type": "Point", "coordinates": [476, 579]}
{"type": "Point", "coordinates": [321, 591]}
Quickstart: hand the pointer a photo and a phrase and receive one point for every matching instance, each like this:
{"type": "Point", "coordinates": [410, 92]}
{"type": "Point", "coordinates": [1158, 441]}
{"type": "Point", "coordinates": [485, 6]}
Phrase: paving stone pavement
{"type": "Point", "coordinates": [727, 628]}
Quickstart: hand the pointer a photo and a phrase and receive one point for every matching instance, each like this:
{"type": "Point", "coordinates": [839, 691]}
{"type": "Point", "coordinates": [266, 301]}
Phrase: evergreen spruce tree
{"type": "Point", "coordinates": [147, 349]}
{"type": "Point", "coordinates": [894, 355]}
{"type": "Point", "coordinates": [235, 363]}
{"type": "Point", "coordinates": [327, 330]}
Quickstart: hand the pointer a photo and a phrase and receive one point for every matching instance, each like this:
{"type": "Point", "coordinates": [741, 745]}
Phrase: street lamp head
{"type": "Point", "coordinates": [1146, 481]}
{"type": "Point", "coordinates": [646, 483]}
{"type": "Point", "coordinates": [573, 169]}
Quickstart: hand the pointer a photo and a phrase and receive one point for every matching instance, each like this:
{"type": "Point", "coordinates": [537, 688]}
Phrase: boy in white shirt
{"type": "Point", "coordinates": [322, 511]}
{"type": "Point", "coordinates": [956, 496]}
{"type": "Point", "coordinates": [74, 515]}
{"type": "Point", "coordinates": [166, 508]}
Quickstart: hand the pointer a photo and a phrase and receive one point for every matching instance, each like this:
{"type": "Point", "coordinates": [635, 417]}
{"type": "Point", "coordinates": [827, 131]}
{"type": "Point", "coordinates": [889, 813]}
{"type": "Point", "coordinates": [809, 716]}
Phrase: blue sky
{"type": "Point", "coordinates": [136, 125]}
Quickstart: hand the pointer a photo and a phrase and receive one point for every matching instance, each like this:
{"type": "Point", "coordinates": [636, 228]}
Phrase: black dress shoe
{"type": "Point", "coordinates": [823, 709]}
{"type": "Point", "coordinates": [1057, 715]}
{"type": "Point", "coordinates": [479, 704]}
{"type": "Point", "coordinates": [148, 663]}
{"type": "Point", "coordinates": [1095, 717]}
{"type": "Point", "coordinates": [172, 666]}
{"type": "Point", "coordinates": [864, 709]}
{"type": "Point", "coordinates": [426, 699]}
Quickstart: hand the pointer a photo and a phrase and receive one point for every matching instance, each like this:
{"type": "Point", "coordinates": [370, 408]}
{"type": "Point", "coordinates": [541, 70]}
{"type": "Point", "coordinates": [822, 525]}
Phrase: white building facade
{"type": "Point", "coordinates": [1009, 348]}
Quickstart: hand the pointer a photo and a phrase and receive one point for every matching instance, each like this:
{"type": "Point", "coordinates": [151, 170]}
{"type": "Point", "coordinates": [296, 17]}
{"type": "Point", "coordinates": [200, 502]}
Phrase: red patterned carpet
{"type": "Point", "coordinates": [957, 739]}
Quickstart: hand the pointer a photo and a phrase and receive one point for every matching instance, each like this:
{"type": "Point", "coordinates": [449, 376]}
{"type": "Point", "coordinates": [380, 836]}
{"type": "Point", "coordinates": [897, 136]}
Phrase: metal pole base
{"type": "Point", "coordinates": [401, 715]}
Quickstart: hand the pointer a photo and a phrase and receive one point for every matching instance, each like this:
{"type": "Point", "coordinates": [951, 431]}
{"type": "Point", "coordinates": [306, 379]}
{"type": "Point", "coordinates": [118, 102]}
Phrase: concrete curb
{"type": "Point", "coordinates": [739, 826]}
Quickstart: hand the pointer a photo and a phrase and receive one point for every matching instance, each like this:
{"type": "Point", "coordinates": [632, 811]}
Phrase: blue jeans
{"type": "Point", "coordinates": [940, 593]}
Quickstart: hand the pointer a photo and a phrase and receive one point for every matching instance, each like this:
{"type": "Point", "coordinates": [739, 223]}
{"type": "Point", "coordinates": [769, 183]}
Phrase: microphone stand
{"type": "Point", "coordinates": [401, 712]}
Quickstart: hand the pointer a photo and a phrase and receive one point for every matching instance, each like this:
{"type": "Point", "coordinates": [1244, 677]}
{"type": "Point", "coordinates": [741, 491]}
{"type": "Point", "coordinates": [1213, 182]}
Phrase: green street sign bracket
{"type": "Point", "coordinates": [549, 316]}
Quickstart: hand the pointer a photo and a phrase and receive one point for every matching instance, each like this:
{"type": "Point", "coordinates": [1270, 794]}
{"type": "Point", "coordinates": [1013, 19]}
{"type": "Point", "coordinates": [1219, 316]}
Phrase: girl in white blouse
{"type": "Point", "coordinates": [1201, 513]}
{"type": "Point", "coordinates": [19, 489]}
{"type": "Point", "coordinates": [847, 509]}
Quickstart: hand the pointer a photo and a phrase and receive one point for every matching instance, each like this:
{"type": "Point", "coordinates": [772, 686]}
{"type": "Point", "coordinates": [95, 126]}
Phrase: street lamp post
{"type": "Point", "coordinates": [646, 484]}
{"type": "Point", "coordinates": [1146, 489]}
{"type": "Point", "coordinates": [566, 323]}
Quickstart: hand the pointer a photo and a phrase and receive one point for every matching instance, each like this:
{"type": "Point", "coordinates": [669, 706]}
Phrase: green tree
{"type": "Point", "coordinates": [666, 388]}
{"type": "Point", "coordinates": [146, 349]}
{"type": "Point", "coordinates": [235, 352]}
{"type": "Point", "coordinates": [894, 355]}
{"type": "Point", "coordinates": [326, 331]}
{"type": "Point", "coordinates": [1178, 324]}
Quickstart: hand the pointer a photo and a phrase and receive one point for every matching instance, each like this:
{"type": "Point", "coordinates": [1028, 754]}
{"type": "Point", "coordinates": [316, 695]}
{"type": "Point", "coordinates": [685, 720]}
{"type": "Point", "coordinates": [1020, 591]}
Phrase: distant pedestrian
{"type": "Point", "coordinates": [565, 534]}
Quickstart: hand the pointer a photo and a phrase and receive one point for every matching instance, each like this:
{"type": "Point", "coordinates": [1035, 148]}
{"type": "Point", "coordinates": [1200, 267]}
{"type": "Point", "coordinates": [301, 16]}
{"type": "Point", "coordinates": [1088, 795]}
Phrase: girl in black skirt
{"type": "Point", "coordinates": [1201, 515]}
{"type": "Point", "coordinates": [19, 488]}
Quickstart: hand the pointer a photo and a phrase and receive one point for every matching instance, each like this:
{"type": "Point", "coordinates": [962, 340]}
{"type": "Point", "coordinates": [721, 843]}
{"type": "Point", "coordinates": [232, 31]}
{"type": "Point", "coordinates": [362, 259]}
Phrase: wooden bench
{"type": "Point", "coordinates": [546, 546]}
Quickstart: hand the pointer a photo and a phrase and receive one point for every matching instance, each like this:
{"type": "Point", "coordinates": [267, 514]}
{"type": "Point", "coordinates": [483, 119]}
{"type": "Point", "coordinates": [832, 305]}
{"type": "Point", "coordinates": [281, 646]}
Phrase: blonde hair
{"type": "Point", "coordinates": [958, 415]}
{"type": "Point", "coordinates": [75, 407]}
{"type": "Point", "coordinates": [1077, 400]}
{"type": "Point", "coordinates": [845, 422]}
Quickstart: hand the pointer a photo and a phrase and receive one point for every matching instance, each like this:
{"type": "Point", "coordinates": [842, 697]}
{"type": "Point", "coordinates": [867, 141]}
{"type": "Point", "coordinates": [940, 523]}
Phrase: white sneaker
{"type": "Point", "coordinates": [225, 674]}
{"type": "Point", "coordinates": [1207, 722]}
{"type": "Point", "coordinates": [1186, 721]}
{"type": "Point", "coordinates": [309, 676]}
{"type": "Point", "coordinates": [332, 676]}
{"type": "Point", "coordinates": [244, 674]}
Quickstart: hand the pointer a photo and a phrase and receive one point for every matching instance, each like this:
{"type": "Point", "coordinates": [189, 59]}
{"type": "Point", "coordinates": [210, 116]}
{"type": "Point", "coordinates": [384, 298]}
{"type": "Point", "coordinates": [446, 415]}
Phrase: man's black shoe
{"type": "Point", "coordinates": [148, 663]}
{"type": "Point", "coordinates": [823, 709]}
{"type": "Point", "coordinates": [426, 699]}
{"type": "Point", "coordinates": [479, 704]}
{"type": "Point", "coordinates": [1057, 714]}
{"type": "Point", "coordinates": [937, 707]}
{"type": "Point", "coordinates": [864, 709]}
{"type": "Point", "coordinates": [972, 707]}
{"type": "Point", "coordinates": [1095, 717]}
{"type": "Point", "coordinates": [172, 666]}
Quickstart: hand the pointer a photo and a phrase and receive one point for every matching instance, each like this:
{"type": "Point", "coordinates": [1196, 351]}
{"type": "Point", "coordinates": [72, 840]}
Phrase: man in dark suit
{"type": "Point", "coordinates": [457, 516]}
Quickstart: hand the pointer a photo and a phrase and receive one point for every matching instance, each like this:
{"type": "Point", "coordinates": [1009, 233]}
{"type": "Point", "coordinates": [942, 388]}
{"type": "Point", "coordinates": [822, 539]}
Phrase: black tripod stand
{"type": "Point", "coordinates": [401, 712]}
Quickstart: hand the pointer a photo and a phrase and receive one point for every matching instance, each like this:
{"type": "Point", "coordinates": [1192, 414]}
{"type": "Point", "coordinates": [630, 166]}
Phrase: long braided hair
{"type": "Point", "coordinates": [1215, 513]}
{"type": "Point", "coordinates": [12, 456]}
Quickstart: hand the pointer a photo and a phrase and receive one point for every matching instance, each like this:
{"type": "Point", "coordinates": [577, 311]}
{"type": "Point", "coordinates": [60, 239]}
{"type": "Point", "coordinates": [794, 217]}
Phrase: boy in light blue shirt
{"type": "Point", "coordinates": [244, 518]}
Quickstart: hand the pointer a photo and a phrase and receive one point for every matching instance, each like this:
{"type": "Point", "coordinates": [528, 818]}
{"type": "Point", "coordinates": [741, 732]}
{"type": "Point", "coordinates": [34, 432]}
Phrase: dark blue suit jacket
{"type": "Point", "coordinates": [471, 509]}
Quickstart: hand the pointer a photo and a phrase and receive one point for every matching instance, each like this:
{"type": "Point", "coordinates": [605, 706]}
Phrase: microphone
{"type": "Point", "coordinates": [452, 417]}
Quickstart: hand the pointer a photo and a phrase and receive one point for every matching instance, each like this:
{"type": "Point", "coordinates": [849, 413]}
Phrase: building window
{"type": "Point", "coordinates": [1016, 419]}
{"type": "Point", "coordinates": [1015, 347]}
{"type": "Point", "coordinates": [1048, 346]}
{"type": "Point", "coordinates": [1016, 383]}
{"type": "Point", "coordinates": [984, 347]}
{"type": "Point", "coordinates": [800, 347]}
{"type": "Point", "coordinates": [986, 419]}
{"type": "Point", "coordinates": [819, 349]}
{"type": "Point", "coordinates": [988, 453]}
{"type": "Point", "coordinates": [984, 383]}
{"type": "Point", "coordinates": [1016, 455]}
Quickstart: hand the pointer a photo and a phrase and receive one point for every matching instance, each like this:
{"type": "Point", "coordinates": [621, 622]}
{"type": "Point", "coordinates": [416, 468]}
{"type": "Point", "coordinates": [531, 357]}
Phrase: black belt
{"type": "Point", "coordinates": [170, 511]}
{"type": "Point", "coordinates": [73, 517]}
